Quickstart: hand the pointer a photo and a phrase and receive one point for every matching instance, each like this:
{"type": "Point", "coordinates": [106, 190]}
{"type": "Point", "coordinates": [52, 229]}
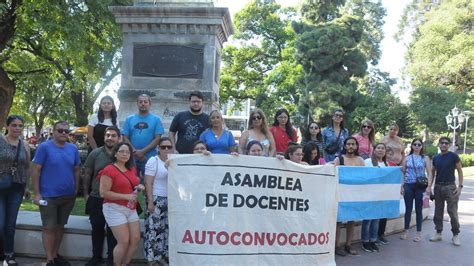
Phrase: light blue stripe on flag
{"type": "Point", "coordinates": [366, 210]}
{"type": "Point", "coordinates": [356, 175]}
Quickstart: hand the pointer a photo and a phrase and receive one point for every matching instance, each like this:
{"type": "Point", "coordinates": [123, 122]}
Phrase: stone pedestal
{"type": "Point", "coordinates": [169, 49]}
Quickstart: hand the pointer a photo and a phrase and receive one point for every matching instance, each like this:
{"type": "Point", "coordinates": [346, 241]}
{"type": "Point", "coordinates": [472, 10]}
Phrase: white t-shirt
{"type": "Point", "coordinates": [95, 120]}
{"type": "Point", "coordinates": [156, 167]}
{"type": "Point", "coordinates": [368, 162]}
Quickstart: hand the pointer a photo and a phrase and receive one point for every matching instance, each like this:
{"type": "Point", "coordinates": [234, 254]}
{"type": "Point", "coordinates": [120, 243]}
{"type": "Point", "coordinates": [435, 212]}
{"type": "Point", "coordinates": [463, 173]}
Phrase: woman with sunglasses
{"type": "Point", "coordinates": [282, 130]}
{"type": "Point", "coordinates": [258, 130]}
{"type": "Point", "coordinates": [105, 117]}
{"type": "Point", "coordinates": [218, 139]}
{"type": "Point", "coordinates": [413, 166]}
{"type": "Point", "coordinates": [155, 242]}
{"type": "Point", "coordinates": [313, 134]}
{"type": "Point", "coordinates": [366, 139]}
{"type": "Point", "coordinates": [14, 163]}
{"type": "Point", "coordinates": [395, 147]}
{"type": "Point", "coordinates": [334, 136]}
{"type": "Point", "coordinates": [119, 185]}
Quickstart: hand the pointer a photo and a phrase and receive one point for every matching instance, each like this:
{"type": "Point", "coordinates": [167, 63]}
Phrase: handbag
{"type": "Point", "coordinates": [6, 180]}
{"type": "Point", "coordinates": [139, 207]}
{"type": "Point", "coordinates": [334, 146]}
{"type": "Point", "coordinates": [421, 180]}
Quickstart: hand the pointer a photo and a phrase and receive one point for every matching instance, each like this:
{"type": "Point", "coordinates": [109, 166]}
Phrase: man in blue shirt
{"type": "Point", "coordinates": [55, 178]}
{"type": "Point", "coordinates": [446, 190]}
{"type": "Point", "coordinates": [143, 131]}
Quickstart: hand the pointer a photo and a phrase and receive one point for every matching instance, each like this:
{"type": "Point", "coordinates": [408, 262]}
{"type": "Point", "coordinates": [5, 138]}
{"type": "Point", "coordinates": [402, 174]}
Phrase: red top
{"type": "Point", "coordinates": [120, 184]}
{"type": "Point", "coordinates": [281, 138]}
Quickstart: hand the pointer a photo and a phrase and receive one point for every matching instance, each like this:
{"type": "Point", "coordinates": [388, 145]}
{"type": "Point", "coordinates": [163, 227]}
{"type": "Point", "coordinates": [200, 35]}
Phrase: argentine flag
{"type": "Point", "coordinates": [368, 192]}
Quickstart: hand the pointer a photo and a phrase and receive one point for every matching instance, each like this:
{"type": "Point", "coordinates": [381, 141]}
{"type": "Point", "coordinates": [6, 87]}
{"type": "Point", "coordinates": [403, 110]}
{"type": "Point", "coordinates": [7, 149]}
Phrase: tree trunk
{"type": "Point", "coordinates": [81, 106]}
{"type": "Point", "coordinates": [7, 90]}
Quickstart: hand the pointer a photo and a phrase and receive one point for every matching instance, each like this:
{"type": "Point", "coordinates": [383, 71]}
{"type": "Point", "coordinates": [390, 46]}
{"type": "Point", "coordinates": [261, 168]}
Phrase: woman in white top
{"type": "Point", "coordinates": [105, 117]}
{"type": "Point", "coordinates": [155, 242]}
{"type": "Point", "coordinates": [370, 228]}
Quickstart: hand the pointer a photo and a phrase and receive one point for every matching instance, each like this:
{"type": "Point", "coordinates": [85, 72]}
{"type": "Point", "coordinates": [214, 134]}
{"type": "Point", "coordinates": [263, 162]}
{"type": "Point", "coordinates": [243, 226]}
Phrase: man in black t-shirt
{"type": "Point", "coordinates": [446, 190]}
{"type": "Point", "coordinates": [189, 124]}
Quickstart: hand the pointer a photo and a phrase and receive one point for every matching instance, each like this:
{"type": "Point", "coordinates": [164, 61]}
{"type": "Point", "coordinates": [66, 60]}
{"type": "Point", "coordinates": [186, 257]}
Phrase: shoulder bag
{"type": "Point", "coordinates": [6, 179]}
{"type": "Point", "coordinates": [421, 180]}
{"type": "Point", "coordinates": [139, 207]}
{"type": "Point", "coordinates": [334, 146]}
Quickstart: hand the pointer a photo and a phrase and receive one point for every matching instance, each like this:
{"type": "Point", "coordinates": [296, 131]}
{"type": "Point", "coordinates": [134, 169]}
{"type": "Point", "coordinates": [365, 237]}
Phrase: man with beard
{"type": "Point", "coordinates": [95, 162]}
{"type": "Point", "coordinates": [350, 157]}
{"type": "Point", "coordinates": [143, 131]}
{"type": "Point", "coordinates": [189, 124]}
{"type": "Point", "coordinates": [445, 189]}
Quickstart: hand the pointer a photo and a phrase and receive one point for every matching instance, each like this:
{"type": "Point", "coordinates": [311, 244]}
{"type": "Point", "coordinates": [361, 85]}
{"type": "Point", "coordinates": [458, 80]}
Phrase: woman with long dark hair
{"type": "Point", "coordinates": [119, 185]}
{"type": "Point", "coordinates": [14, 173]}
{"type": "Point", "coordinates": [416, 164]}
{"type": "Point", "coordinates": [312, 154]}
{"type": "Point", "coordinates": [334, 136]}
{"type": "Point", "coordinates": [282, 130]}
{"type": "Point", "coordinates": [105, 117]}
{"type": "Point", "coordinates": [313, 133]}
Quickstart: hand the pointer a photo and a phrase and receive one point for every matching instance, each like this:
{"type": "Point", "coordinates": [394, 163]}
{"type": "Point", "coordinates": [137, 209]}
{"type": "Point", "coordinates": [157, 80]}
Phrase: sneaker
{"type": "Point", "coordinates": [456, 240]}
{"type": "Point", "coordinates": [367, 247]}
{"type": "Point", "coordinates": [417, 237]}
{"type": "Point", "coordinates": [10, 260]}
{"type": "Point", "coordinates": [340, 251]}
{"type": "Point", "coordinates": [404, 235]}
{"type": "Point", "coordinates": [382, 240]}
{"type": "Point", "coordinates": [50, 263]}
{"type": "Point", "coordinates": [374, 247]}
{"type": "Point", "coordinates": [94, 261]}
{"type": "Point", "coordinates": [61, 261]}
{"type": "Point", "coordinates": [437, 237]}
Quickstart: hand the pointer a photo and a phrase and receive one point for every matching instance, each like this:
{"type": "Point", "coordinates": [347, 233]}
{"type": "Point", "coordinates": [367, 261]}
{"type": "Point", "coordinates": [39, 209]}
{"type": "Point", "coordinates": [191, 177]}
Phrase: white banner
{"type": "Point", "coordinates": [247, 210]}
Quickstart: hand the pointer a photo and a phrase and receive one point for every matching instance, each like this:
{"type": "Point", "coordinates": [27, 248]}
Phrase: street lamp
{"type": "Point", "coordinates": [454, 121]}
{"type": "Point", "coordinates": [466, 115]}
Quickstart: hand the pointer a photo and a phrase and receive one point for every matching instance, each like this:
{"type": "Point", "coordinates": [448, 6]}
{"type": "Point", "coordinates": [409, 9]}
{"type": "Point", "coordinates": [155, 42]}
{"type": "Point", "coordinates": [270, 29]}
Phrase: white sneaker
{"type": "Point", "coordinates": [437, 237]}
{"type": "Point", "coordinates": [456, 240]}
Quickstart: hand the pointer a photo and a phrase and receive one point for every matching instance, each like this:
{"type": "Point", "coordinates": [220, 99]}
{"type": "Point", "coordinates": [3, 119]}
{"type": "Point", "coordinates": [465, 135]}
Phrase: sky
{"type": "Point", "coordinates": [393, 52]}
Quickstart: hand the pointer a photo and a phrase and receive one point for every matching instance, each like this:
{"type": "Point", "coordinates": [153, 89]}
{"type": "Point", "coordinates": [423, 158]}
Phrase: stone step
{"type": "Point", "coordinates": [77, 245]}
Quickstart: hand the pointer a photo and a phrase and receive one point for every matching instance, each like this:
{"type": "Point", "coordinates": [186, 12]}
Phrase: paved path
{"type": "Point", "coordinates": [404, 252]}
{"type": "Point", "coordinates": [407, 252]}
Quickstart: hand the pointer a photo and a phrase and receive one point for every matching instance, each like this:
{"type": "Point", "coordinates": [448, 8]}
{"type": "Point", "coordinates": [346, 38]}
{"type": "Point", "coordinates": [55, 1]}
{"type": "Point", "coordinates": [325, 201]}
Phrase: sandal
{"type": "Point", "coordinates": [350, 250]}
{"type": "Point", "coordinates": [417, 237]}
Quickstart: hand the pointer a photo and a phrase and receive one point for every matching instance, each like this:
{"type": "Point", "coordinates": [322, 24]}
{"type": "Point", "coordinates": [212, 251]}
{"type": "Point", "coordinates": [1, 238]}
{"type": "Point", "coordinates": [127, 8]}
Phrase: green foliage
{"type": "Point", "coordinates": [430, 106]}
{"type": "Point", "coordinates": [467, 159]}
{"type": "Point", "coordinates": [430, 151]}
{"type": "Point", "coordinates": [262, 66]}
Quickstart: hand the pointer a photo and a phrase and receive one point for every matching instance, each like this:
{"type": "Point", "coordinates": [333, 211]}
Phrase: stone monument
{"type": "Point", "coordinates": [170, 48]}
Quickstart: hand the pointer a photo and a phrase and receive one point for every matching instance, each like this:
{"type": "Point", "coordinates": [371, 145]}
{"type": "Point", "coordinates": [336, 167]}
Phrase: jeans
{"type": "Point", "coordinates": [96, 217]}
{"type": "Point", "coordinates": [444, 193]}
{"type": "Point", "coordinates": [10, 201]}
{"type": "Point", "coordinates": [370, 230]}
{"type": "Point", "coordinates": [412, 192]}
{"type": "Point", "coordinates": [140, 170]}
{"type": "Point", "coordinates": [382, 225]}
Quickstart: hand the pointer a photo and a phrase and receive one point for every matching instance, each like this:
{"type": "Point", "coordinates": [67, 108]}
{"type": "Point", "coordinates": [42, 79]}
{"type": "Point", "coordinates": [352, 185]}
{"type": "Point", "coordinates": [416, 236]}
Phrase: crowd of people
{"type": "Point", "coordinates": [124, 162]}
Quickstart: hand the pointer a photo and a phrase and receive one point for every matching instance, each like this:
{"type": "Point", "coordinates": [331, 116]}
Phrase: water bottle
{"type": "Point", "coordinates": [41, 202]}
{"type": "Point", "coordinates": [131, 204]}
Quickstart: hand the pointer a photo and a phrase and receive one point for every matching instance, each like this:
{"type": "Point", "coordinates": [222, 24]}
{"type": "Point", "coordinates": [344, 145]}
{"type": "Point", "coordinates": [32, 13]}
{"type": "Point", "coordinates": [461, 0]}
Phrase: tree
{"type": "Point", "coordinates": [262, 66]}
{"type": "Point", "coordinates": [77, 42]}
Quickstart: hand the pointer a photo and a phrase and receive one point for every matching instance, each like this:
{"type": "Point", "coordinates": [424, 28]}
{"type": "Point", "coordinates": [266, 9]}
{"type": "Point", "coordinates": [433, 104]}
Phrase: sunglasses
{"type": "Point", "coordinates": [257, 117]}
{"type": "Point", "coordinates": [166, 147]}
{"type": "Point", "coordinates": [62, 131]}
{"type": "Point", "coordinates": [339, 115]}
{"type": "Point", "coordinates": [366, 126]}
{"type": "Point", "coordinates": [417, 144]}
{"type": "Point", "coordinates": [444, 143]}
{"type": "Point", "coordinates": [313, 127]}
